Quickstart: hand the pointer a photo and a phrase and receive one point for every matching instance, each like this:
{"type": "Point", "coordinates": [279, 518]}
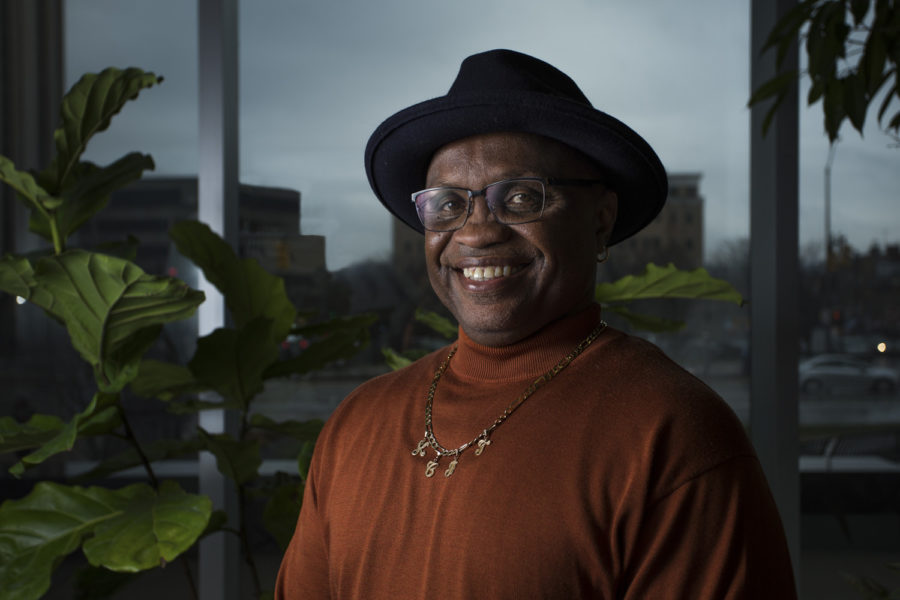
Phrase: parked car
{"type": "Point", "coordinates": [838, 373]}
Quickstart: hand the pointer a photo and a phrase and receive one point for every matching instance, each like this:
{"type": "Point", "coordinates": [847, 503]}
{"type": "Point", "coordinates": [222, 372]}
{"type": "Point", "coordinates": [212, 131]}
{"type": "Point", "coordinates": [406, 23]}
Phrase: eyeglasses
{"type": "Point", "coordinates": [511, 201]}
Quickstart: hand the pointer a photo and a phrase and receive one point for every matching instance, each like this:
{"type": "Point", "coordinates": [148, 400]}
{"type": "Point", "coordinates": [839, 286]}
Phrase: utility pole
{"type": "Point", "coordinates": [827, 288]}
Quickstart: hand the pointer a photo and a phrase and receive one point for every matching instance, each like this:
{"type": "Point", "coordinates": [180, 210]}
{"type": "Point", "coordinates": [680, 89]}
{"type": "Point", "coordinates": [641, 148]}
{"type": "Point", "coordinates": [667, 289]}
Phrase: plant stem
{"type": "Point", "coordinates": [190, 577]}
{"type": "Point", "coordinates": [245, 542]}
{"type": "Point", "coordinates": [137, 446]}
{"type": "Point", "coordinates": [58, 244]}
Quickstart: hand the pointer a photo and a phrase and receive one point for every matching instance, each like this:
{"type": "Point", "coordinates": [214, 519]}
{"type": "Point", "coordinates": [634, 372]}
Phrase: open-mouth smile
{"type": "Point", "coordinates": [489, 272]}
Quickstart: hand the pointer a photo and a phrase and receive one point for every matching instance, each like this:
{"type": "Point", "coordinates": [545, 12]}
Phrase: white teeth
{"type": "Point", "coordinates": [485, 273]}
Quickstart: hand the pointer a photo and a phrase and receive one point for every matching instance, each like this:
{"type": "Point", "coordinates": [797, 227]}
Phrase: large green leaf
{"type": "Point", "coordinates": [232, 362]}
{"type": "Point", "coordinates": [38, 530]}
{"type": "Point", "coordinates": [873, 62]}
{"type": "Point", "coordinates": [667, 282]}
{"type": "Point", "coordinates": [778, 87]}
{"type": "Point", "coordinates": [101, 409]}
{"type": "Point", "coordinates": [855, 100]}
{"type": "Point", "coordinates": [785, 30]}
{"type": "Point", "coordinates": [150, 530]}
{"type": "Point", "coordinates": [439, 324]}
{"type": "Point", "coordinates": [281, 511]}
{"type": "Point", "coordinates": [39, 429]}
{"type": "Point", "coordinates": [86, 110]}
{"type": "Point", "coordinates": [89, 193]}
{"type": "Point", "coordinates": [239, 460]}
{"type": "Point", "coordinates": [250, 291]}
{"type": "Point", "coordinates": [394, 359]}
{"type": "Point", "coordinates": [112, 309]}
{"type": "Point", "coordinates": [17, 278]}
{"type": "Point", "coordinates": [340, 338]}
{"type": "Point", "coordinates": [157, 379]}
{"type": "Point", "coordinates": [29, 191]}
{"type": "Point", "coordinates": [133, 528]}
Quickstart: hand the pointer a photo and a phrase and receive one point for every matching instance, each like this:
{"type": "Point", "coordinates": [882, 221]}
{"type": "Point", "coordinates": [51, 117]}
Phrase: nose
{"type": "Point", "coordinates": [481, 228]}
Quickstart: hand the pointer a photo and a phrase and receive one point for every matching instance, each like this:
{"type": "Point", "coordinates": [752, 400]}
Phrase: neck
{"type": "Point", "coordinates": [528, 357]}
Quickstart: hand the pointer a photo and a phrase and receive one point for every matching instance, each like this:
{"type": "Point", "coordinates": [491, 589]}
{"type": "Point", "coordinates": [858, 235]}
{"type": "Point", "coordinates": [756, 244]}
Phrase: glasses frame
{"type": "Point", "coordinates": [472, 194]}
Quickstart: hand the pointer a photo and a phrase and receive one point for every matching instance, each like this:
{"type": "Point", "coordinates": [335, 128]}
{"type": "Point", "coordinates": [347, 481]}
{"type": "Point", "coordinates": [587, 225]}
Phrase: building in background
{"type": "Point", "coordinates": [269, 225]}
{"type": "Point", "coordinates": [674, 236]}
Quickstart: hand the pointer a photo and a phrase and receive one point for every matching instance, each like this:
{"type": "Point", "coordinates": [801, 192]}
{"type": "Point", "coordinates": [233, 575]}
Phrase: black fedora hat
{"type": "Point", "coordinates": [502, 90]}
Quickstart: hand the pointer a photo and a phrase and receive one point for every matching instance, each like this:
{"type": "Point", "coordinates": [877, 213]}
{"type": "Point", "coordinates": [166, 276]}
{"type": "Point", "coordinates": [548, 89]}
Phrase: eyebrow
{"type": "Point", "coordinates": [503, 177]}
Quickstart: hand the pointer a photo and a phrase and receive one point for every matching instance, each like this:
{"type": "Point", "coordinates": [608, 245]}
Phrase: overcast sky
{"type": "Point", "coordinates": [316, 78]}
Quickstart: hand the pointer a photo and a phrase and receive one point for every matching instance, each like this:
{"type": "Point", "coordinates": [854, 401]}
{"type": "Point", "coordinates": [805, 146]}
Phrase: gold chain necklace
{"type": "Point", "coordinates": [483, 439]}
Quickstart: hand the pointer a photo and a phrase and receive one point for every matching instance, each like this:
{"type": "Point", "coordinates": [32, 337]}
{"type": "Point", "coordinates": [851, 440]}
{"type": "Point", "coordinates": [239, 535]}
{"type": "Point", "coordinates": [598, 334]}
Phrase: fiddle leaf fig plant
{"type": "Point", "coordinates": [662, 282]}
{"type": "Point", "coordinates": [113, 313]}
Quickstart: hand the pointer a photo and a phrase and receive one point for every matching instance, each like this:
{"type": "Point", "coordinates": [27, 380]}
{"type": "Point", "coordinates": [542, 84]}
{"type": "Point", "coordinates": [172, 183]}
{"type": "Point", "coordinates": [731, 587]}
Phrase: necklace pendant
{"type": "Point", "coordinates": [451, 467]}
{"type": "Point", "coordinates": [482, 444]}
{"type": "Point", "coordinates": [430, 467]}
{"type": "Point", "coordinates": [420, 449]}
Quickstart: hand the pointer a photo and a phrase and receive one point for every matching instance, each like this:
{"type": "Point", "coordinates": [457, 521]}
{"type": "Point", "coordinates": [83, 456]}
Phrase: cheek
{"type": "Point", "coordinates": [434, 246]}
{"type": "Point", "coordinates": [571, 246]}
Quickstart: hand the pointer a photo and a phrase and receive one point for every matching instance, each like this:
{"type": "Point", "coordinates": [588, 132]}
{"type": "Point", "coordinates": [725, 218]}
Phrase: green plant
{"type": "Point", "coordinates": [113, 313]}
{"type": "Point", "coordinates": [853, 52]}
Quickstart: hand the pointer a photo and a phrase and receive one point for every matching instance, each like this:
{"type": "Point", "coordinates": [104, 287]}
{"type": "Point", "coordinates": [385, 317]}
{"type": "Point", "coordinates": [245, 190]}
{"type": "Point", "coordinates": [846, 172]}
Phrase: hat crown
{"type": "Point", "coordinates": [509, 71]}
{"type": "Point", "coordinates": [507, 91]}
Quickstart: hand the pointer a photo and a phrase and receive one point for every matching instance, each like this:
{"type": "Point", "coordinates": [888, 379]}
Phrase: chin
{"type": "Point", "coordinates": [499, 331]}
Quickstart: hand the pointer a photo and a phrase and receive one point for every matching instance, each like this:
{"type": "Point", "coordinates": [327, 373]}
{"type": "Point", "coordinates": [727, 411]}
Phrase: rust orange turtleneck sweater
{"type": "Point", "coordinates": [623, 477]}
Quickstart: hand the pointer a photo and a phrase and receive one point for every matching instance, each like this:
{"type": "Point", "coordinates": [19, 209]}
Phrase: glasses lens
{"type": "Point", "coordinates": [442, 209]}
{"type": "Point", "coordinates": [516, 200]}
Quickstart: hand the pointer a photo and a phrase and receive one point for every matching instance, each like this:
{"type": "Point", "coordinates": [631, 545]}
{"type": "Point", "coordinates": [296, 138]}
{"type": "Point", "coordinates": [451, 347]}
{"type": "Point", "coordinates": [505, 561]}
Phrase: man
{"type": "Point", "coordinates": [542, 455]}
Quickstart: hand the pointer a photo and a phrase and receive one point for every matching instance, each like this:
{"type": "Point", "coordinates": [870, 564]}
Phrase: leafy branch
{"type": "Point", "coordinates": [853, 54]}
{"type": "Point", "coordinates": [114, 312]}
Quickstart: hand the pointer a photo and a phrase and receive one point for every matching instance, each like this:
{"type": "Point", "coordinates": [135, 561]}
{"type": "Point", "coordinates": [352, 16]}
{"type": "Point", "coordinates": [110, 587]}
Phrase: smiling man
{"type": "Point", "coordinates": [542, 454]}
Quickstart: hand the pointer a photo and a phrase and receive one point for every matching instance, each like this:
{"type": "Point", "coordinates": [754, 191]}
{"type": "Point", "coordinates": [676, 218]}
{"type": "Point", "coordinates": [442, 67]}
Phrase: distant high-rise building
{"type": "Point", "coordinates": [674, 236]}
{"type": "Point", "coordinates": [269, 225]}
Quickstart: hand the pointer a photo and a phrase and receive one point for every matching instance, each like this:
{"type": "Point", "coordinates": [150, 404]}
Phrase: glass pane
{"type": "Point", "coordinates": [160, 37]}
{"type": "Point", "coordinates": [42, 373]}
{"type": "Point", "coordinates": [849, 355]}
{"type": "Point", "coordinates": [310, 99]}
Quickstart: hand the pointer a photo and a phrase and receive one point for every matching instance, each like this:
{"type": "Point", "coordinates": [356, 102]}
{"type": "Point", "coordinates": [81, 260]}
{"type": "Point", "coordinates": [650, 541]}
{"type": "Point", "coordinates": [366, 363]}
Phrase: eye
{"type": "Point", "coordinates": [447, 204]}
{"type": "Point", "coordinates": [523, 198]}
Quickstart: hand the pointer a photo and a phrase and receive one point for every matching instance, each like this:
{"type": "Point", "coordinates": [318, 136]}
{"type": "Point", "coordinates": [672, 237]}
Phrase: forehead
{"type": "Point", "coordinates": [507, 154]}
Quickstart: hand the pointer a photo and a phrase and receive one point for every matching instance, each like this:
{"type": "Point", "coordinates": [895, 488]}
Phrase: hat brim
{"type": "Point", "coordinates": [400, 150]}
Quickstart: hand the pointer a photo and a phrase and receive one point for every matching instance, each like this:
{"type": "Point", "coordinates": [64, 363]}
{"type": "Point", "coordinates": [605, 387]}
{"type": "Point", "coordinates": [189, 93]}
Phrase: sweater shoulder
{"type": "Point", "coordinates": [680, 426]}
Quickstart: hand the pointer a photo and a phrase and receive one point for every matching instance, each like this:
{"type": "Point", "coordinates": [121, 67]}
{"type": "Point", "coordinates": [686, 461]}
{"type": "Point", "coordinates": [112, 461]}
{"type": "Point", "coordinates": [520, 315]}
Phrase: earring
{"type": "Point", "coordinates": [603, 255]}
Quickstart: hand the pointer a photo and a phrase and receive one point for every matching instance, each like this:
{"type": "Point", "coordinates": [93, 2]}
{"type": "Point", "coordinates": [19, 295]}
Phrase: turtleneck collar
{"type": "Point", "coordinates": [527, 358]}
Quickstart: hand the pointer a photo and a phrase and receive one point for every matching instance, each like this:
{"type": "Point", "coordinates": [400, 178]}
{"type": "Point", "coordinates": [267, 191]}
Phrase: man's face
{"type": "Point", "coordinates": [505, 282]}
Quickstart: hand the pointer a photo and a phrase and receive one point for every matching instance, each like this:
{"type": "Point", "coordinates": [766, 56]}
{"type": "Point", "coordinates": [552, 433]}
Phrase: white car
{"type": "Point", "coordinates": [838, 373]}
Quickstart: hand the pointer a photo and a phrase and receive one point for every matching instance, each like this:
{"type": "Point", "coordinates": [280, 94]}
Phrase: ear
{"type": "Point", "coordinates": [605, 211]}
